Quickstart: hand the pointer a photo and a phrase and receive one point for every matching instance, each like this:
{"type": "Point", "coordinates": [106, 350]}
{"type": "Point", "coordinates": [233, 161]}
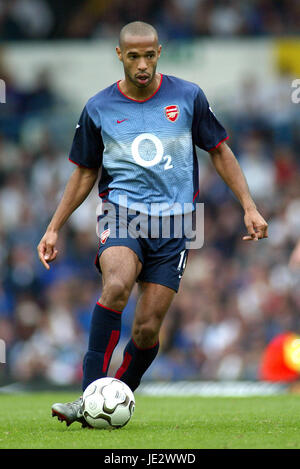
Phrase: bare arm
{"type": "Point", "coordinates": [79, 186]}
{"type": "Point", "coordinates": [229, 169]}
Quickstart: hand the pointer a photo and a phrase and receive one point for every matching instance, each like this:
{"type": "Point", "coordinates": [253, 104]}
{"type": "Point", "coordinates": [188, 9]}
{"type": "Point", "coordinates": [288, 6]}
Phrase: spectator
{"type": "Point", "coordinates": [39, 19]}
{"type": "Point", "coordinates": [234, 297]}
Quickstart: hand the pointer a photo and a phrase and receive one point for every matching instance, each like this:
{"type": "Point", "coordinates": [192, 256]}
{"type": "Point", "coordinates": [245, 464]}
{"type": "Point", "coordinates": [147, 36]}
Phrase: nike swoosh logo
{"type": "Point", "coordinates": [120, 122]}
{"type": "Point", "coordinates": [77, 126]}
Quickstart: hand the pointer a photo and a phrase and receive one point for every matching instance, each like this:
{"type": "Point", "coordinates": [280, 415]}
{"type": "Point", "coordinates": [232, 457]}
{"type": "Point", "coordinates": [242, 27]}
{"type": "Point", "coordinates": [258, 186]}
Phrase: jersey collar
{"type": "Point", "coordinates": [138, 100]}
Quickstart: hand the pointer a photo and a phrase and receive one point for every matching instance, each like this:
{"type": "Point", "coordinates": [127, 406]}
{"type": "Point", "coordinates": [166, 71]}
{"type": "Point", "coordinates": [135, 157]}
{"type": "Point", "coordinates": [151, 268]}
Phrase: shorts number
{"type": "Point", "coordinates": [182, 260]}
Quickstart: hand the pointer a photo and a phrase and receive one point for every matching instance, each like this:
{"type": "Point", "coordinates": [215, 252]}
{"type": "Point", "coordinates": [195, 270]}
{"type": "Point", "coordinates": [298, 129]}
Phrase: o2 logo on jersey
{"type": "Point", "coordinates": [159, 156]}
{"type": "Point", "coordinates": [172, 113]}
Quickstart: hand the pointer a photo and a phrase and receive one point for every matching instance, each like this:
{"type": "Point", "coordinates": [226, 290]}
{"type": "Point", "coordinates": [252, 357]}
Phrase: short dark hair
{"type": "Point", "coordinates": [137, 28]}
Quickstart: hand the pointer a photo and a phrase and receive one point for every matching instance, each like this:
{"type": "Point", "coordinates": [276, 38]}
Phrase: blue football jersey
{"type": "Point", "coordinates": [146, 149]}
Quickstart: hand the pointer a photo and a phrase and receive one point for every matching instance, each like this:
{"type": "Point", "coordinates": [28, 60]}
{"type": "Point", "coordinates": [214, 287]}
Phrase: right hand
{"type": "Point", "coordinates": [46, 249]}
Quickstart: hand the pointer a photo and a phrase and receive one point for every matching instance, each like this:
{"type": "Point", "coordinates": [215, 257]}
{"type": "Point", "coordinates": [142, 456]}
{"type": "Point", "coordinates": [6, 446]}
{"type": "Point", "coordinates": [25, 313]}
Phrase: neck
{"type": "Point", "coordinates": [140, 94]}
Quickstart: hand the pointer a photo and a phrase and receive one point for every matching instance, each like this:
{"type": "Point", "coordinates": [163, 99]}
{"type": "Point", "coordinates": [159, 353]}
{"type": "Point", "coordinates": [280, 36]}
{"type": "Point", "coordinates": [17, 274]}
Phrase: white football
{"type": "Point", "coordinates": [108, 403]}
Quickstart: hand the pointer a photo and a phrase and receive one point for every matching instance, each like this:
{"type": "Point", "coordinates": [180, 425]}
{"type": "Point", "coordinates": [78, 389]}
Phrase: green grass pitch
{"type": "Point", "coordinates": [158, 423]}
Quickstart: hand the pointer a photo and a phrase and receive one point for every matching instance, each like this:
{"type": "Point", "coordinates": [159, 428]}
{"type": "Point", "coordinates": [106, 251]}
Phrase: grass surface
{"type": "Point", "coordinates": [158, 423]}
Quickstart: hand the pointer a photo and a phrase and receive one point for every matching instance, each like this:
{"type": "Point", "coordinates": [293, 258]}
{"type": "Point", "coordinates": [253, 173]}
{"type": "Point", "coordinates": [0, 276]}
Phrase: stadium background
{"type": "Point", "coordinates": [235, 297]}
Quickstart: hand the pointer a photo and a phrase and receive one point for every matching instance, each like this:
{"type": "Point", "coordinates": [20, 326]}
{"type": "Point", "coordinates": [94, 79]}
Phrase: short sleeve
{"type": "Point", "coordinates": [207, 131]}
{"type": "Point", "coordinates": [87, 147]}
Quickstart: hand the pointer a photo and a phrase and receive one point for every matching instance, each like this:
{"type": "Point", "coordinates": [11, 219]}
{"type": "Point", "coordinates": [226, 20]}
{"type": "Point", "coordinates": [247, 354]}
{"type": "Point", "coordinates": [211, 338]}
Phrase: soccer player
{"type": "Point", "coordinates": [141, 132]}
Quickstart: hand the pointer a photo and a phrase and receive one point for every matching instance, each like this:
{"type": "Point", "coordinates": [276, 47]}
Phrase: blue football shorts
{"type": "Point", "coordinates": [159, 244]}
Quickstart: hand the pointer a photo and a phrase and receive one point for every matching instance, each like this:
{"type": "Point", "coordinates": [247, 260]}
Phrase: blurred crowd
{"type": "Point", "coordinates": [175, 19]}
{"type": "Point", "coordinates": [234, 297]}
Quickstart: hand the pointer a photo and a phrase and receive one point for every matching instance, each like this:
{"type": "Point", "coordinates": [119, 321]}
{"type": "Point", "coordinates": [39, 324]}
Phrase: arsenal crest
{"type": "Point", "coordinates": [104, 235]}
{"type": "Point", "coordinates": [172, 112]}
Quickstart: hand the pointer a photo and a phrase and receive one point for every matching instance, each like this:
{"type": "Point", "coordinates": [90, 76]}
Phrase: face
{"type": "Point", "coordinates": [139, 56]}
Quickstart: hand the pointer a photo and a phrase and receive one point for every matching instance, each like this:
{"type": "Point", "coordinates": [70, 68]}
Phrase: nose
{"type": "Point", "coordinates": [142, 65]}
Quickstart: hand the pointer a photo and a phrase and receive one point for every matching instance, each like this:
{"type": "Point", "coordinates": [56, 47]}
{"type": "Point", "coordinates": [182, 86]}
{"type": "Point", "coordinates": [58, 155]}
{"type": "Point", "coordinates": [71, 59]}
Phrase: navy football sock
{"type": "Point", "coordinates": [135, 362]}
{"type": "Point", "coordinates": [104, 335]}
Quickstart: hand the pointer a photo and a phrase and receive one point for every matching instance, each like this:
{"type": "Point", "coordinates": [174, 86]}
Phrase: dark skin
{"type": "Point", "coordinates": [229, 169]}
{"type": "Point", "coordinates": [120, 265]}
{"type": "Point", "coordinates": [139, 56]}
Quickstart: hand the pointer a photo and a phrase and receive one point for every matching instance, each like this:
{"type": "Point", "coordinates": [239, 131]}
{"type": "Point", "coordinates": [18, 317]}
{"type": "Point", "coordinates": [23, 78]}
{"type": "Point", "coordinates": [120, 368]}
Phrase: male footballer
{"type": "Point", "coordinates": [141, 133]}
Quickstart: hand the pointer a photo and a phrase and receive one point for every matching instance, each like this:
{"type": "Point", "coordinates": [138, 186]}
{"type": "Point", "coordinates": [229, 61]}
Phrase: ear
{"type": "Point", "coordinates": [159, 51]}
{"type": "Point", "coordinates": [119, 53]}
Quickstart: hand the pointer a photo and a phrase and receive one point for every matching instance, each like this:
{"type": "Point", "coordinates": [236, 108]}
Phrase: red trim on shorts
{"type": "Point", "coordinates": [124, 367]}
{"type": "Point", "coordinates": [219, 143]}
{"type": "Point", "coordinates": [113, 340]}
{"type": "Point", "coordinates": [138, 100]}
{"type": "Point", "coordinates": [110, 309]}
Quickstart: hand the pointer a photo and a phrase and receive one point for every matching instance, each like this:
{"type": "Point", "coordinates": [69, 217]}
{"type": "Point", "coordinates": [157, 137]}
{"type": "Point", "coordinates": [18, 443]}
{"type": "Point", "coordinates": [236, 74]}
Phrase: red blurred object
{"type": "Point", "coordinates": [285, 166]}
{"type": "Point", "coordinates": [274, 366]}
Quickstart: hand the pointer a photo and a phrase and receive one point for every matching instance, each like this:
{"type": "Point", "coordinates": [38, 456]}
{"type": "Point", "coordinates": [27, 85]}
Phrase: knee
{"type": "Point", "coordinates": [145, 334]}
{"type": "Point", "coordinates": [115, 294]}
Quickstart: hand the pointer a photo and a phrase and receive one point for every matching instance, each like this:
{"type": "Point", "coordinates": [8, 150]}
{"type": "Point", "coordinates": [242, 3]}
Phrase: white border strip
{"type": "Point", "coordinates": [212, 389]}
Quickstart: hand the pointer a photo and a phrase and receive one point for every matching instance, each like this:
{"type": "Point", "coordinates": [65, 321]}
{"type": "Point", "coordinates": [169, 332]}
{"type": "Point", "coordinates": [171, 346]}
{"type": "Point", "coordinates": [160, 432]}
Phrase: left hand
{"type": "Point", "coordinates": [256, 225]}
